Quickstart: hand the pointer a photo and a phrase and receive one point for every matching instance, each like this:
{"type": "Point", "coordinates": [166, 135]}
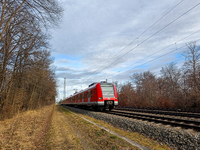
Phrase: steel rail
{"type": "Point", "coordinates": [188, 124]}
{"type": "Point", "coordinates": [162, 112]}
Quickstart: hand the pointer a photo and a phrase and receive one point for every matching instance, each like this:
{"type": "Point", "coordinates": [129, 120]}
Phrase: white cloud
{"type": "Point", "coordinates": [93, 31]}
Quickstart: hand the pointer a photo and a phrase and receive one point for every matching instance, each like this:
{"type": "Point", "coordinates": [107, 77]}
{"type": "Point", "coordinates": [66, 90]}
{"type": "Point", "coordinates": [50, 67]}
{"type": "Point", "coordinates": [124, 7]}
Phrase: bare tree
{"type": "Point", "coordinates": [171, 76]}
{"type": "Point", "coordinates": [127, 95]}
{"type": "Point", "coordinates": [175, 88]}
{"type": "Point", "coordinates": [191, 72]}
{"type": "Point", "coordinates": [26, 79]}
{"type": "Point", "coordinates": [46, 12]}
{"type": "Point", "coordinates": [146, 88]}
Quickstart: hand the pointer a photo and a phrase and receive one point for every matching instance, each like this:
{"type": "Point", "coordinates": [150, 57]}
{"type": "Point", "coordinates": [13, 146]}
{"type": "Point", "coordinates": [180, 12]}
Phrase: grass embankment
{"type": "Point", "coordinates": [60, 135]}
{"type": "Point", "coordinates": [26, 130]}
{"type": "Point", "coordinates": [91, 136]}
{"type": "Point", "coordinates": [104, 140]}
{"type": "Point", "coordinates": [134, 136]}
{"type": "Point", "coordinates": [54, 127]}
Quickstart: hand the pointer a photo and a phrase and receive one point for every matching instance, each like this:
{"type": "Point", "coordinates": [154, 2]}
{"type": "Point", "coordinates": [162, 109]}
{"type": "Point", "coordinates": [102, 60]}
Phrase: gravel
{"type": "Point", "coordinates": [172, 136]}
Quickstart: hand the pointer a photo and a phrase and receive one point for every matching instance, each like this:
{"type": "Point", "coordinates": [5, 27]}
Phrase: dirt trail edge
{"type": "Point", "coordinates": [93, 137]}
{"type": "Point", "coordinates": [120, 136]}
{"type": "Point", "coordinates": [109, 131]}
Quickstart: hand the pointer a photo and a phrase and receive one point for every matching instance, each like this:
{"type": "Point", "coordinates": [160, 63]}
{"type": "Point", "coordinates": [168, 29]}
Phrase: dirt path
{"type": "Point", "coordinates": [70, 131]}
{"type": "Point", "coordinates": [116, 134]}
{"type": "Point", "coordinates": [98, 135]}
{"type": "Point", "coordinates": [60, 135]}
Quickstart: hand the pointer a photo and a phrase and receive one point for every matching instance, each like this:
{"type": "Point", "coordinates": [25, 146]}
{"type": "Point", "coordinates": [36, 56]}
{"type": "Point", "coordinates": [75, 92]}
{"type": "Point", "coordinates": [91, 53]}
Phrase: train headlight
{"type": "Point", "coordinates": [115, 97]}
{"type": "Point", "coordinates": [100, 97]}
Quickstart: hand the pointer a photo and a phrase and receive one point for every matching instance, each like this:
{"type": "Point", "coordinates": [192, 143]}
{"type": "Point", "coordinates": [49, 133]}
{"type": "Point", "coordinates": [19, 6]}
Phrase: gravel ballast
{"type": "Point", "coordinates": [174, 137]}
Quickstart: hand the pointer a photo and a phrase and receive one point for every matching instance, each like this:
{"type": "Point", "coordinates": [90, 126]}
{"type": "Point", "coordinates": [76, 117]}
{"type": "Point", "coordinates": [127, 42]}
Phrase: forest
{"type": "Point", "coordinates": [176, 87]}
{"type": "Point", "coordinates": [27, 77]}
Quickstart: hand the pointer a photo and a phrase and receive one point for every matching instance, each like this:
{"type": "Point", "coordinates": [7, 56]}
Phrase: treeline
{"type": "Point", "coordinates": [26, 77]}
{"type": "Point", "coordinates": [176, 87]}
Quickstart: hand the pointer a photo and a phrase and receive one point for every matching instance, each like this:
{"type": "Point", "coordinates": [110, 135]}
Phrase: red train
{"type": "Point", "coordinates": [100, 95]}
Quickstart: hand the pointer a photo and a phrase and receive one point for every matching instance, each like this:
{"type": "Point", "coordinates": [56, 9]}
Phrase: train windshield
{"type": "Point", "coordinates": [107, 90]}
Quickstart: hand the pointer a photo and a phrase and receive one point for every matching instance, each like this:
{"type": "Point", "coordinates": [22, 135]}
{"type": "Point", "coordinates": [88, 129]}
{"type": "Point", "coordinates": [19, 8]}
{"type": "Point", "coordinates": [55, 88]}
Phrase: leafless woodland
{"type": "Point", "coordinates": [176, 87]}
{"type": "Point", "coordinates": [26, 75]}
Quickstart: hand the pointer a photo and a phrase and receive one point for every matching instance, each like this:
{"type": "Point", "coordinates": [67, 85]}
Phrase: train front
{"type": "Point", "coordinates": [108, 96]}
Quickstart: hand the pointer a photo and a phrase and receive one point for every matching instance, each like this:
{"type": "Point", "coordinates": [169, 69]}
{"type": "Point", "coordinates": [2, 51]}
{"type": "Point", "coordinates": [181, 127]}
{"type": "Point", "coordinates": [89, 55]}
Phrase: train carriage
{"type": "Point", "coordinates": [101, 95]}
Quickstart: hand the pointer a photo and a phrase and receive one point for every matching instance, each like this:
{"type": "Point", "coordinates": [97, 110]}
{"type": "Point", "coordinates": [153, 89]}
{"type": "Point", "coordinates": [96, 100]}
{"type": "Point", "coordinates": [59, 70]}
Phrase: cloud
{"type": "Point", "coordinates": [92, 43]}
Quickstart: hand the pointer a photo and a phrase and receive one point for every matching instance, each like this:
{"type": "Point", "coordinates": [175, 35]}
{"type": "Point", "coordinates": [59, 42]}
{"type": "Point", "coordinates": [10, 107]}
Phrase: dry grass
{"type": "Point", "coordinates": [93, 137]}
{"type": "Point", "coordinates": [26, 130]}
{"type": "Point", "coordinates": [53, 128]}
{"type": "Point", "coordinates": [60, 135]}
{"type": "Point", "coordinates": [134, 136]}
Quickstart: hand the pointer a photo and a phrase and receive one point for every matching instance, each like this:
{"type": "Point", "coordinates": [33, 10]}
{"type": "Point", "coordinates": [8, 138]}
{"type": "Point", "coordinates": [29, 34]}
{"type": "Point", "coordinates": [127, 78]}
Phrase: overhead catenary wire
{"type": "Point", "coordinates": [152, 59]}
{"type": "Point", "coordinates": [152, 36]}
{"type": "Point", "coordinates": [156, 32]}
{"type": "Point", "coordinates": [158, 73]}
{"type": "Point", "coordinates": [147, 62]}
{"type": "Point", "coordinates": [143, 32]}
{"type": "Point", "coordinates": [163, 48]}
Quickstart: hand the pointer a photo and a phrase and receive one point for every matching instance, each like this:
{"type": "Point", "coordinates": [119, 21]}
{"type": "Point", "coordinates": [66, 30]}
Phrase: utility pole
{"type": "Point", "coordinates": [64, 95]}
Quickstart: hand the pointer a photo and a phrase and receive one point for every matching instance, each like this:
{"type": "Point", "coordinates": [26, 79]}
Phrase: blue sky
{"type": "Point", "coordinates": [111, 39]}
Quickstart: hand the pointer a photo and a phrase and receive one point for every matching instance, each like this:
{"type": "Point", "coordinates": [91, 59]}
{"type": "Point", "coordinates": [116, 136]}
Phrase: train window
{"type": "Point", "coordinates": [107, 90]}
{"type": "Point", "coordinates": [91, 93]}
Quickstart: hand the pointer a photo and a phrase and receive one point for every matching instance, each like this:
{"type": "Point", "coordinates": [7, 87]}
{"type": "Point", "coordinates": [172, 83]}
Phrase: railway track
{"type": "Point", "coordinates": [173, 120]}
{"type": "Point", "coordinates": [158, 109]}
{"type": "Point", "coordinates": [163, 112]}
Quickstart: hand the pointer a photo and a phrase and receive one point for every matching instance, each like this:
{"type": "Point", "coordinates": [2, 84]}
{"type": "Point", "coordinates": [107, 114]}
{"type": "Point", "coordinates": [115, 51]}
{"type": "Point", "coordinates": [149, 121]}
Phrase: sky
{"type": "Point", "coordinates": [112, 39]}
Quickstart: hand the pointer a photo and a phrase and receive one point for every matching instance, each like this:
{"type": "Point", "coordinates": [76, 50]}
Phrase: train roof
{"type": "Point", "coordinates": [92, 84]}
